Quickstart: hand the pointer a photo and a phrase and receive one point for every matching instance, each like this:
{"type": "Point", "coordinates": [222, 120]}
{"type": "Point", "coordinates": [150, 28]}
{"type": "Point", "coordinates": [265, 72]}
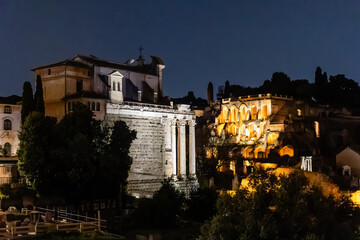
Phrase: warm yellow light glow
{"type": "Point", "coordinates": [253, 113]}
{"type": "Point", "coordinates": [315, 179]}
{"type": "Point", "coordinates": [246, 152]}
{"type": "Point", "coordinates": [257, 150]}
{"type": "Point", "coordinates": [211, 152]}
{"type": "Point", "coordinates": [287, 150]}
{"type": "Point", "coordinates": [272, 137]}
{"type": "Point", "coordinates": [298, 112]}
{"type": "Point", "coordinates": [355, 197]}
{"type": "Point", "coordinates": [268, 165]}
{"type": "Point", "coordinates": [317, 129]}
{"type": "Point", "coordinates": [243, 113]}
{"type": "Point", "coordinates": [232, 167]}
{"type": "Point", "coordinates": [233, 114]}
{"type": "Point", "coordinates": [219, 129]}
{"type": "Point", "coordinates": [223, 116]}
{"type": "Point", "coordinates": [264, 112]}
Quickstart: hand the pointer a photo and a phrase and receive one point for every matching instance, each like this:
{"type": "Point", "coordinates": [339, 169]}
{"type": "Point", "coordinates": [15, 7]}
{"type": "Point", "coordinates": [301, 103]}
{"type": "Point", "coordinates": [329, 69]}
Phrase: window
{"type": "Point", "coordinates": [298, 112]}
{"type": "Point", "coordinates": [49, 71]}
{"type": "Point", "coordinates": [7, 109]}
{"type": "Point", "coordinates": [92, 106]}
{"type": "Point", "coordinates": [317, 129]}
{"type": "Point", "coordinates": [7, 124]}
{"type": "Point", "coordinates": [114, 86]}
{"type": "Point", "coordinates": [7, 149]}
{"type": "Point", "coordinates": [89, 73]}
{"type": "Point", "coordinates": [118, 84]}
{"type": "Point", "coordinates": [79, 86]}
{"type": "Point", "coordinates": [97, 106]}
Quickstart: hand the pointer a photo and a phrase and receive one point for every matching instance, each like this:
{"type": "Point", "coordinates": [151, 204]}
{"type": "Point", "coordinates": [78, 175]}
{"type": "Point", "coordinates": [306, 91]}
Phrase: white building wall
{"type": "Point", "coordinates": [10, 136]}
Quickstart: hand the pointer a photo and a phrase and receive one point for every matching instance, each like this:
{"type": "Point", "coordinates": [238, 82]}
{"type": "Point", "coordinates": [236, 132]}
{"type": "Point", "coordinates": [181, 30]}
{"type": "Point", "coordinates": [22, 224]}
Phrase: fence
{"type": "Point", "coordinates": [54, 220]}
{"type": "Point", "coordinates": [63, 215]}
{"type": "Point", "coordinates": [19, 232]}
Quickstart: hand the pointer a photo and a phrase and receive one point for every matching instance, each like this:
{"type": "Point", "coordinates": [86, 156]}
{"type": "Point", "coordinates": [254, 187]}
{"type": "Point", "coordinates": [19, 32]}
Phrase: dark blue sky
{"type": "Point", "coordinates": [200, 41]}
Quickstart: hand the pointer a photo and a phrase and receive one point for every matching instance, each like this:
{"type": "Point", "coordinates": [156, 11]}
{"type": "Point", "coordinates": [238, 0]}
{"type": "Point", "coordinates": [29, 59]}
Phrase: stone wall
{"type": "Point", "coordinates": [147, 151]}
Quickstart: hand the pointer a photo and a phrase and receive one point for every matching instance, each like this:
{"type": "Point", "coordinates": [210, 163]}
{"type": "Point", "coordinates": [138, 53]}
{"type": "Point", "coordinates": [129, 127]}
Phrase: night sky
{"type": "Point", "coordinates": [200, 41]}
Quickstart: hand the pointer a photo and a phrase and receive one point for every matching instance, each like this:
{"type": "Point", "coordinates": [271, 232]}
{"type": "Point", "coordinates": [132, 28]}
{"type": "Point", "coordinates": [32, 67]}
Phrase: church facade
{"type": "Point", "coordinates": [131, 92]}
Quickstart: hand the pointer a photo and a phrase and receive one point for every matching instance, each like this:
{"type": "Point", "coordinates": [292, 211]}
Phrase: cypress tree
{"type": "Point", "coordinates": [227, 90]}
{"type": "Point", "coordinates": [318, 77]}
{"type": "Point", "coordinates": [210, 93]}
{"type": "Point", "coordinates": [27, 101]}
{"type": "Point", "coordinates": [39, 98]}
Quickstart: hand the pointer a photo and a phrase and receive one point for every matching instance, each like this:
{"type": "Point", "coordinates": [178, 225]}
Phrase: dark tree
{"type": "Point", "coordinates": [162, 209]}
{"type": "Point", "coordinates": [227, 90]}
{"type": "Point", "coordinates": [39, 97]}
{"type": "Point", "coordinates": [27, 101]}
{"type": "Point", "coordinates": [281, 83]}
{"type": "Point", "coordinates": [318, 77]}
{"type": "Point", "coordinates": [76, 158]}
{"type": "Point", "coordinates": [210, 93]}
{"type": "Point", "coordinates": [284, 207]}
{"type": "Point", "coordinates": [37, 141]}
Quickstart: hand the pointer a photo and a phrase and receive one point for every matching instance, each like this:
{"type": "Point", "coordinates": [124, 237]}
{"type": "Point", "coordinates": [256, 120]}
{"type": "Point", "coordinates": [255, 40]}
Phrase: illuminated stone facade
{"type": "Point", "coordinates": [10, 116]}
{"type": "Point", "coordinates": [131, 92]}
{"type": "Point", "coordinates": [256, 122]}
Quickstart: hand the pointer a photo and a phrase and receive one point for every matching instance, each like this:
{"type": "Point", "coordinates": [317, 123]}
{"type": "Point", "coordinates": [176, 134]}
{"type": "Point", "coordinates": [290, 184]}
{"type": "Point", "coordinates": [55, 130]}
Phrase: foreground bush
{"type": "Point", "coordinates": [284, 207]}
{"type": "Point", "coordinates": [160, 211]}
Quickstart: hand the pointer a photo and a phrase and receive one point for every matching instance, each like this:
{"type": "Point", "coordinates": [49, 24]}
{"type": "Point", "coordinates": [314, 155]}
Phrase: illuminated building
{"type": "Point", "coordinates": [131, 92]}
{"type": "Point", "coordinates": [257, 126]}
{"type": "Point", "coordinates": [10, 116]}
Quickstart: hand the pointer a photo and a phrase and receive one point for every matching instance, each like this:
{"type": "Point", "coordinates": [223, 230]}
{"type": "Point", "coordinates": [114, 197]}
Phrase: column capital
{"type": "Point", "coordinates": [192, 122]}
{"type": "Point", "coordinates": [173, 121]}
{"type": "Point", "coordinates": [182, 122]}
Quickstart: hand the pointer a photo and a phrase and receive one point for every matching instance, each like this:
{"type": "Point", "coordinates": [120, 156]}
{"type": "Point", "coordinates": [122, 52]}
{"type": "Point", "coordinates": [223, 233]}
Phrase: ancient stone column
{"type": "Point", "coordinates": [167, 130]}
{"type": "Point", "coordinates": [192, 159]}
{"type": "Point", "coordinates": [182, 148]}
{"type": "Point", "coordinates": [173, 147]}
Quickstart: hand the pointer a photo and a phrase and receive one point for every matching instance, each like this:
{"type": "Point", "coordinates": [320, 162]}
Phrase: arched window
{"type": "Point", "coordinates": [7, 124]}
{"type": "Point", "coordinates": [7, 149]}
{"type": "Point", "coordinates": [93, 106]}
{"type": "Point", "coordinates": [97, 106]}
{"type": "Point", "coordinates": [118, 85]}
{"type": "Point", "coordinates": [114, 86]}
{"type": "Point", "coordinates": [253, 112]}
{"type": "Point", "coordinates": [7, 109]}
{"type": "Point", "coordinates": [264, 112]}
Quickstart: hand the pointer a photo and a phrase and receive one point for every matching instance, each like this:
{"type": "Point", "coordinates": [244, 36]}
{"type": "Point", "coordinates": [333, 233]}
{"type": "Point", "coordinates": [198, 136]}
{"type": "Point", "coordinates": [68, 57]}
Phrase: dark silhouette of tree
{"type": "Point", "coordinates": [210, 93]}
{"type": "Point", "coordinates": [76, 158]}
{"type": "Point", "coordinates": [39, 97]}
{"type": "Point", "coordinates": [27, 101]}
{"type": "Point", "coordinates": [281, 83]}
{"type": "Point", "coordinates": [227, 90]}
{"type": "Point", "coordinates": [162, 209]}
